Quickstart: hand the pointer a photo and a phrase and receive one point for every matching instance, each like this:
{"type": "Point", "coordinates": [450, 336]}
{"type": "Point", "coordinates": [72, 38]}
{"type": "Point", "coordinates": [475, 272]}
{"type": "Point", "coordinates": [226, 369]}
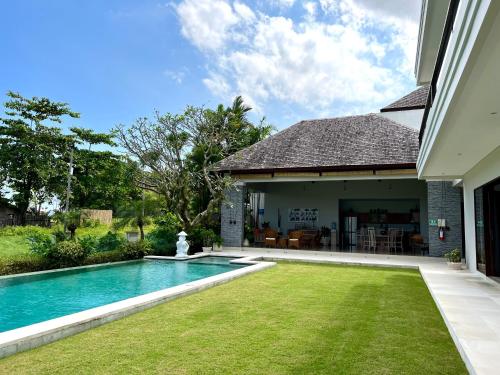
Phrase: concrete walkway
{"type": "Point", "coordinates": [469, 302]}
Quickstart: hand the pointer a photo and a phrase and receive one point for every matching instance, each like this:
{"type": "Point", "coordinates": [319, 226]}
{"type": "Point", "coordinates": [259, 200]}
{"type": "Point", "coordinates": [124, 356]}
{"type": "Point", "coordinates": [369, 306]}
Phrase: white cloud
{"type": "Point", "coordinates": [335, 62]}
{"type": "Point", "coordinates": [244, 12]}
{"type": "Point", "coordinates": [206, 23]}
{"type": "Point", "coordinates": [175, 75]}
{"type": "Point", "coordinates": [283, 3]}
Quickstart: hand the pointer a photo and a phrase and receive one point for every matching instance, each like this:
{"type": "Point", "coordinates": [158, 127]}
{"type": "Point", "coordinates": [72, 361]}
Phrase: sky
{"type": "Point", "coordinates": [116, 60]}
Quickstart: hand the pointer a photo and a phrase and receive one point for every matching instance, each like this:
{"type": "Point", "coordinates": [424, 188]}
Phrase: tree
{"type": "Point", "coordinates": [32, 152]}
{"type": "Point", "coordinates": [178, 153]}
{"type": "Point", "coordinates": [138, 213]}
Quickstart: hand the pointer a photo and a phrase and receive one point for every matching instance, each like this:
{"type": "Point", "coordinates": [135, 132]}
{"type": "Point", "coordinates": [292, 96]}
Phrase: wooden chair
{"type": "Point", "coordinates": [294, 239]}
{"type": "Point", "coordinates": [270, 237]}
{"type": "Point", "coordinates": [258, 235]}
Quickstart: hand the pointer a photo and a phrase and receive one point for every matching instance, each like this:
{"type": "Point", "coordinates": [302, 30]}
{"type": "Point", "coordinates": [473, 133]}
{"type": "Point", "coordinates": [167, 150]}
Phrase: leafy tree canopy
{"type": "Point", "coordinates": [178, 152]}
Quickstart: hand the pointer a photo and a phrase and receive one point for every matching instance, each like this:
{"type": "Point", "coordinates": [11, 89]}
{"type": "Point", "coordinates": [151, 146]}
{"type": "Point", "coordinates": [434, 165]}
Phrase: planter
{"type": "Point", "coordinates": [246, 243]}
{"type": "Point", "coordinates": [207, 249]}
{"type": "Point", "coordinates": [132, 236]}
{"type": "Point", "coordinates": [217, 247]}
{"type": "Point", "coordinates": [455, 265]}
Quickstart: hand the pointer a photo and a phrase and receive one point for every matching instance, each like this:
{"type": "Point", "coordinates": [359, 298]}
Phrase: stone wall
{"type": "Point", "coordinates": [444, 202]}
{"type": "Point", "coordinates": [232, 217]}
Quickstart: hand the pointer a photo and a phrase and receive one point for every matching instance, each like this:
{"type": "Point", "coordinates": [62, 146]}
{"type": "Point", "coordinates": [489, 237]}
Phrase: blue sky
{"type": "Point", "coordinates": [114, 61]}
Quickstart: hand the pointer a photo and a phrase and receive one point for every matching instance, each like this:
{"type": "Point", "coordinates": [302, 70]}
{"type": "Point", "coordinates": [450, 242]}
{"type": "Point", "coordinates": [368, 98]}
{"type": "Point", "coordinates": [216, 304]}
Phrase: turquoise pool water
{"type": "Point", "coordinates": [25, 300]}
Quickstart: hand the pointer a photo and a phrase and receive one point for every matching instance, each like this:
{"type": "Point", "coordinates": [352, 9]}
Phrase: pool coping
{"type": "Point", "coordinates": [34, 335]}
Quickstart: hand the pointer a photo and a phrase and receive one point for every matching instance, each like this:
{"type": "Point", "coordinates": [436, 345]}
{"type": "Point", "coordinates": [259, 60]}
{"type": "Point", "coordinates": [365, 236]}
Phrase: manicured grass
{"type": "Point", "coordinates": [291, 319]}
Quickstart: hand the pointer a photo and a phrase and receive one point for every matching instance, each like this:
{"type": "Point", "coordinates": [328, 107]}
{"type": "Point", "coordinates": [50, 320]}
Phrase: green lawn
{"type": "Point", "coordinates": [291, 319]}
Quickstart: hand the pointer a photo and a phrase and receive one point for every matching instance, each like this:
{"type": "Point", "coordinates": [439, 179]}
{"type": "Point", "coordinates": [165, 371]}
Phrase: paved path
{"type": "Point", "coordinates": [469, 302]}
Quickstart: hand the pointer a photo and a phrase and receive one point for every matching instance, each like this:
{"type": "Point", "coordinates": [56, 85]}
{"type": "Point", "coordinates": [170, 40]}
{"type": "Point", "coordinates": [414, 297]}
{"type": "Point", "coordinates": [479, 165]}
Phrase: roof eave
{"type": "Point", "coordinates": [400, 109]}
{"type": "Point", "coordinates": [342, 168]}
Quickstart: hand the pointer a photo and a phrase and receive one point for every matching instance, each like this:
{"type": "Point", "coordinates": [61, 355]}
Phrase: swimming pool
{"type": "Point", "coordinates": [29, 299]}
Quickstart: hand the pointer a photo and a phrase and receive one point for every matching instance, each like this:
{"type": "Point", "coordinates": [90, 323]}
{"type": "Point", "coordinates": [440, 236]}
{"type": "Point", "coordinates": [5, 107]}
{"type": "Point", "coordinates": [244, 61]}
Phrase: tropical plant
{"type": "Point", "coordinates": [69, 253]}
{"type": "Point", "coordinates": [137, 213]}
{"type": "Point", "coordinates": [164, 235]}
{"type": "Point", "coordinates": [178, 153]}
{"type": "Point", "coordinates": [109, 242]}
{"type": "Point", "coordinates": [89, 243]}
{"type": "Point", "coordinates": [70, 219]}
{"type": "Point", "coordinates": [199, 237]}
{"type": "Point", "coordinates": [41, 243]}
{"type": "Point", "coordinates": [454, 256]}
{"type": "Point", "coordinates": [136, 250]}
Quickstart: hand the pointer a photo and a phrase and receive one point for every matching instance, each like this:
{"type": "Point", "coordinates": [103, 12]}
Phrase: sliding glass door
{"type": "Point", "coordinates": [487, 222]}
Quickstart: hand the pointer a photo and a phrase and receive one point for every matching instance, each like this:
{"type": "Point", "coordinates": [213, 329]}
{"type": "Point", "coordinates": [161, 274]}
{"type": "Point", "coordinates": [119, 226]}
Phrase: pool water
{"type": "Point", "coordinates": [29, 299]}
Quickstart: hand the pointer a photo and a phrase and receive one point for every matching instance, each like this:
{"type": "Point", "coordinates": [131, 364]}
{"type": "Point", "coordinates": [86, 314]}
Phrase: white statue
{"type": "Point", "coordinates": [182, 245]}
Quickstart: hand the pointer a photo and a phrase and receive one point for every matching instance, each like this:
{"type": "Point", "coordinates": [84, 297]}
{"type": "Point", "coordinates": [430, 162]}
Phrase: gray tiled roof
{"type": "Point", "coordinates": [343, 143]}
{"type": "Point", "coordinates": [414, 100]}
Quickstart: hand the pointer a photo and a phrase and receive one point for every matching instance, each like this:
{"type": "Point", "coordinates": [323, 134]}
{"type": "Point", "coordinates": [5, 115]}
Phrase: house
{"type": "Point", "coordinates": [8, 212]}
{"type": "Point", "coordinates": [320, 173]}
{"type": "Point", "coordinates": [459, 58]}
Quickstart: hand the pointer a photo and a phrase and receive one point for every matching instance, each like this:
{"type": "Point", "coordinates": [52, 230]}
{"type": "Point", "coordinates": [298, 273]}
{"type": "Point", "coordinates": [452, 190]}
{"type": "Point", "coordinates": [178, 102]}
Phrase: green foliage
{"type": "Point", "coordinates": [40, 150]}
{"type": "Point", "coordinates": [454, 256]}
{"type": "Point", "coordinates": [138, 213]}
{"type": "Point", "coordinates": [22, 230]}
{"type": "Point", "coordinates": [199, 237]}
{"type": "Point", "coordinates": [105, 257]}
{"type": "Point", "coordinates": [69, 253]}
{"type": "Point", "coordinates": [103, 180]}
{"type": "Point", "coordinates": [136, 250]}
{"type": "Point", "coordinates": [164, 236]}
{"type": "Point", "coordinates": [110, 241]}
{"type": "Point", "coordinates": [25, 263]}
{"type": "Point", "coordinates": [180, 150]}
{"type": "Point", "coordinates": [41, 243]}
{"type": "Point", "coordinates": [89, 223]}
{"type": "Point", "coordinates": [89, 243]}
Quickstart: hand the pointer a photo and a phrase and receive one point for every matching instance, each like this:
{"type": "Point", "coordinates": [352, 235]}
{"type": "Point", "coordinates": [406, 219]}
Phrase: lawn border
{"type": "Point", "coordinates": [32, 336]}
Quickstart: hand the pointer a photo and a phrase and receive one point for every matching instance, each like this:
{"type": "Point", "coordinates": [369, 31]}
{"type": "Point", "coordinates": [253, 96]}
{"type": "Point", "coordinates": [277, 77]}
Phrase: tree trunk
{"type": "Point", "coordinates": [140, 224]}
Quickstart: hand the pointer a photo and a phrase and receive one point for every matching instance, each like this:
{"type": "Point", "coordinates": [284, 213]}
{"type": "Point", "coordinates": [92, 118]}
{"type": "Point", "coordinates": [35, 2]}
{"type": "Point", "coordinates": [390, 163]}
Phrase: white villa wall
{"type": "Point", "coordinates": [485, 171]}
{"type": "Point", "coordinates": [325, 196]}
{"type": "Point", "coordinates": [411, 118]}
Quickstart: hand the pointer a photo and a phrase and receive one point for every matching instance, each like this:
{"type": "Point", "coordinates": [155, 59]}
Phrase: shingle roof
{"type": "Point", "coordinates": [344, 143]}
{"type": "Point", "coordinates": [414, 100]}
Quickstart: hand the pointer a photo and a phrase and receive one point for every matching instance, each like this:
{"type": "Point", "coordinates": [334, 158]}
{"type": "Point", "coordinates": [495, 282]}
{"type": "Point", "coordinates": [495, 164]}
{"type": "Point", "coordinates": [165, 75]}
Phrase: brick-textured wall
{"type": "Point", "coordinates": [232, 217]}
{"type": "Point", "coordinates": [444, 202]}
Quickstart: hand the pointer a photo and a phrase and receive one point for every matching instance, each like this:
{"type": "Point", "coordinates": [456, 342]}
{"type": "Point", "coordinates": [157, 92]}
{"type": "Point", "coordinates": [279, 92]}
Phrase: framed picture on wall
{"type": "Point", "coordinates": [303, 215]}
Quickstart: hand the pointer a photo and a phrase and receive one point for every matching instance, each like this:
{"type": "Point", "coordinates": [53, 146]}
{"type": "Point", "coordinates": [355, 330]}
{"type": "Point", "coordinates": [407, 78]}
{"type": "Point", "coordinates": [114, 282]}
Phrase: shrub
{"type": "Point", "coordinates": [25, 263]}
{"type": "Point", "coordinates": [136, 250]}
{"type": "Point", "coordinates": [110, 241]}
{"type": "Point", "coordinates": [164, 236]}
{"type": "Point", "coordinates": [104, 257]}
{"type": "Point", "coordinates": [89, 243]}
{"type": "Point", "coordinates": [90, 223]}
{"type": "Point", "coordinates": [41, 244]}
{"type": "Point", "coordinates": [60, 235]}
{"type": "Point", "coordinates": [69, 253]}
{"type": "Point", "coordinates": [199, 237]}
{"type": "Point", "coordinates": [27, 230]}
{"type": "Point", "coordinates": [454, 256]}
